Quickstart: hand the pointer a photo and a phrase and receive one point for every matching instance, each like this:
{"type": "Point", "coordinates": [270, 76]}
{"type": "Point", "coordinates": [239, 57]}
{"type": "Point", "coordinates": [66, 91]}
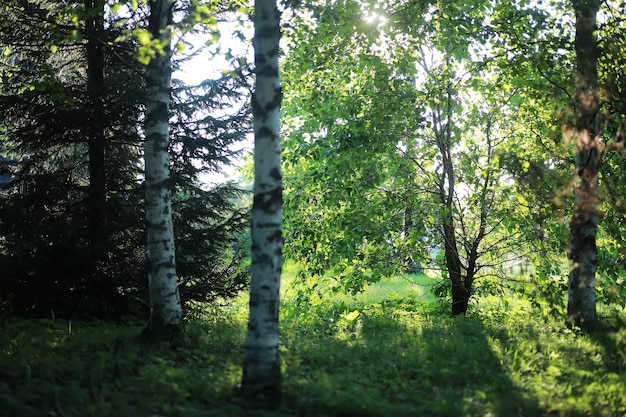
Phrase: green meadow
{"type": "Point", "coordinates": [392, 350]}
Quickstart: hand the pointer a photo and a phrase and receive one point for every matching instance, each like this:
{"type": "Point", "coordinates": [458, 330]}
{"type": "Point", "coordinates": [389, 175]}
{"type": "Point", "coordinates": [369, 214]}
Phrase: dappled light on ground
{"type": "Point", "coordinates": [371, 354]}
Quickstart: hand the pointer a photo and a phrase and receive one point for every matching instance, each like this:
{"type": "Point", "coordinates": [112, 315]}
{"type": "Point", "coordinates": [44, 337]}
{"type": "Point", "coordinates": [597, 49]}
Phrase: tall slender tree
{"type": "Point", "coordinates": [165, 306]}
{"type": "Point", "coordinates": [261, 377]}
{"type": "Point", "coordinates": [94, 30]}
{"type": "Point", "coordinates": [446, 184]}
{"type": "Point", "coordinates": [583, 253]}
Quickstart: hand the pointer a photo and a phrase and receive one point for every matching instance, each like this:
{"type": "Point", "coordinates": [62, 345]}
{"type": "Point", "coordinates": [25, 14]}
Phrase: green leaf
{"type": "Point", "coordinates": [353, 315]}
{"type": "Point", "coordinates": [143, 36]}
{"type": "Point", "coordinates": [553, 371]}
{"type": "Point", "coordinates": [76, 35]}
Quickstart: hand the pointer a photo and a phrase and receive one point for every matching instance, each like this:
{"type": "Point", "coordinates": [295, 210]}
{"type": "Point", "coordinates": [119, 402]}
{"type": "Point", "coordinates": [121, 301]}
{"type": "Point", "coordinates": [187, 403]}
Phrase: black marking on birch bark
{"type": "Point", "coordinates": [263, 259]}
{"type": "Point", "coordinates": [266, 186]}
{"type": "Point", "coordinates": [251, 325]}
{"type": "Point", "coordinates": [267, 71]}
{"type": "Point", "coordinates": [277, 236]}
{"type": "Point", "coordinates": [268, 32]}
{"type": "Point", "coordinates": [259, 60]}
{"type": "Point", "coordinates": [164, 183]}
{"type": "Point", "coordinates": [174, 292]}
{"type": "Point", "coordinates": [266, 132]}
{"type": "Point", "coordinates": [272, 307]}
{"type": "Point", "coordinates": [157, 143]}
{"type": "Point", "coordinates": [268, 201]}
{"type": "Point", "coordinates": [268, 225]}
{"type": "Point", "coordinates": [275, 174]}
{"type": "Point", "coordinates": [158, 111]}
{"type": "Point", "coordinates": [262, 111]}
{"type": "Point", "coordinates": [157, 266]}
{"type": "Point", "coordinates": [257, 109]}
{"type": "Point", "coordinates": [278, 96]}
{"type": "Point", "coordinates": [161, 224]}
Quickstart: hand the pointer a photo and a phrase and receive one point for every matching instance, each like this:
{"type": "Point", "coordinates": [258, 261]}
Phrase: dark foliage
{"type": "Point", "coordinates": [210, 244]}
{"type": "Point", "coordinates": [48, 265]}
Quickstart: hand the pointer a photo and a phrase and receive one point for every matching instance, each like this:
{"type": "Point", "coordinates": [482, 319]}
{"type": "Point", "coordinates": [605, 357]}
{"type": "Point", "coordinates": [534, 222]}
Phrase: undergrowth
{"type": "Point", "coordinates": [392, 351]}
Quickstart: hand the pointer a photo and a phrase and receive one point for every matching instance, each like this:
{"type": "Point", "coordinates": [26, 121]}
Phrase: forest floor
{"type": "Point", "coordinates": [393, 350]}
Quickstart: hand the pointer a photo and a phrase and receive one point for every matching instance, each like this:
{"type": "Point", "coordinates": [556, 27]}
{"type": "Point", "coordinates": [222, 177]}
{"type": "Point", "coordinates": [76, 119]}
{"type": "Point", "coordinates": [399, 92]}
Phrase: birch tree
{"type": "Point", "coordinates": [581, 306]}
{"type": "Point", "coordinates": [261, 377]}
{"type": "Point", "coordinates": [165, 307]}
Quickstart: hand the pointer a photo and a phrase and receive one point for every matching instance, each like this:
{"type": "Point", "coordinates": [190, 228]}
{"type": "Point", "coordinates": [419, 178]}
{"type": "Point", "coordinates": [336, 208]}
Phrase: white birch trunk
{"type": "Point", "coordinates": [165, 307]}
{"type": "Point", "coordinates": [262, 367]}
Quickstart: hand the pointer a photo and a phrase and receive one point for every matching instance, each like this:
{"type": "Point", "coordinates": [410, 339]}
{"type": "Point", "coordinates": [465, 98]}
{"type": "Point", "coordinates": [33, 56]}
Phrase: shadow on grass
{"type": "Point", "coordinates": [393, 362]}
{"type": "Point", "coordinates": [391, 358]}
{"type": "Point", "coordinates": [59, 368]}
{"type": "Point", "coordinates": [610, 335]}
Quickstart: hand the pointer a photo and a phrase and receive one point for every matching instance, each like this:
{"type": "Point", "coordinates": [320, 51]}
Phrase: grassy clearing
{"type": "Point", "coordinates": [410, 286]}
{"type": "Point", "coordinates": [391, 351]}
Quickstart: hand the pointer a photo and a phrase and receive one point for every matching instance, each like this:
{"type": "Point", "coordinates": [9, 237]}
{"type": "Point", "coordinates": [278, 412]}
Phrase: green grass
{"type": "Point", "coordinates": [390, 351]}
{"type": "Point", "coordinates": [405, 286]}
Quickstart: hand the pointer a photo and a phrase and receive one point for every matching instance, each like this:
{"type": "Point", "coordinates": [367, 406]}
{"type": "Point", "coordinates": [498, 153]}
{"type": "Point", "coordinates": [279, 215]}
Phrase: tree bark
{"type": "Point", "coordinates": [581, 307]}
{"type": "Point", "coordinates": [460, 295]}
{"type": "Point", "coordinates": [443, 134]}
{"type": "Point", "coordinates": [94, 28]}
{"type": "Point", "coordinates": [261, 375]}
{"type": "Point", "coordinates": [165, 307]}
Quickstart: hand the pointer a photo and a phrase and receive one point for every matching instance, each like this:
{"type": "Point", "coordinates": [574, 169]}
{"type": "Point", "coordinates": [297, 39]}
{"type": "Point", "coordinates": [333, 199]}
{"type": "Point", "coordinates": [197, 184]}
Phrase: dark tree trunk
{"type": "Point", "coordinates": [460, 295]}
{"type": "Point", "coordinates": [94, 29]}
{"type": "Point", "coordinates": [581, 307]}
